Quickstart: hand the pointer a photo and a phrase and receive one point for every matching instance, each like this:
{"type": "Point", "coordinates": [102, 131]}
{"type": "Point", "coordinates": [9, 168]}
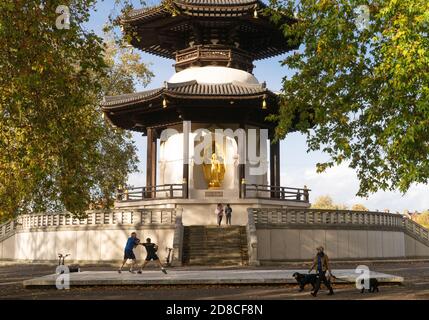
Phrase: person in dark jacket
{"type": "Point", "coordinates": [151, 249]}
{"type": "Point", "coordinates": [228, 213]}
{"type": "Point", "coordinates": [321, 263]}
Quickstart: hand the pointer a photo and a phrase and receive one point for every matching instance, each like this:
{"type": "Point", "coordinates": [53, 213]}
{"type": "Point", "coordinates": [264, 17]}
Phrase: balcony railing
{"type": "Point", "coordinates": [275, 192]}
{"type": "Point", "coordinates": [165, 191]}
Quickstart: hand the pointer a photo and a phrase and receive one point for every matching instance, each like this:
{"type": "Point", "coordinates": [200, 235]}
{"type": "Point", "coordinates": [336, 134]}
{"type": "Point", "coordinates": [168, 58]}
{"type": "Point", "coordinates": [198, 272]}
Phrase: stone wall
{"type": "Point", "coordinates": [97, 244]}
{"type": "Point", "coordinates": [300, 244]}
{"type": "Point", "coordinates": [99, 237]}
{"type": "Point", "coordinates": [293, 234]}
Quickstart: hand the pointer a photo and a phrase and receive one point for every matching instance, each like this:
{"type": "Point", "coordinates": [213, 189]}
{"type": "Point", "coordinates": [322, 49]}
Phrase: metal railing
{"type": "Point", "coordinates": [165, 191]}
{"type": "Point", "coordinates": [260, 191]}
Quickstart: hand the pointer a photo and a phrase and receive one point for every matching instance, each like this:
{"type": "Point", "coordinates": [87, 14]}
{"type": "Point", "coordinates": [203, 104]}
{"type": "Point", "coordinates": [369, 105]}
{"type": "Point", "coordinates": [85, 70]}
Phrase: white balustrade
{"type": "Point", "coordinates": [268, 216]}
{"type": "Point", "coordinates": [110, 217]}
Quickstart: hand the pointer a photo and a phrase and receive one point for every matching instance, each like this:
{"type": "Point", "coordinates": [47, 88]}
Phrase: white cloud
{"type": "Point", "coordinates": [342, 184]}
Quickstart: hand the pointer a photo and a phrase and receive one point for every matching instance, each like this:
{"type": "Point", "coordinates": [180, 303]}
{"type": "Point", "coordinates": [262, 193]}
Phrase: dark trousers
{"type": "Point", "coordinates": [320, 278]}
{"type": "Point", "coordinates": [228, 219]}
{"type": "Point", "coordinates": [219, 219]}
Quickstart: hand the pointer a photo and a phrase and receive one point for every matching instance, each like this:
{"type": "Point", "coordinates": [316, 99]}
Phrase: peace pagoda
{"type": "Point", "coordinates": [213, 92]}
{"type": "Point", "coordinates": [209, 142]}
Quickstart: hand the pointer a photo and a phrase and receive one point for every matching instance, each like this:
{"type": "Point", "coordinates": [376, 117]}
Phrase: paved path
{"type": "Point", "coordinates": [198, 277]}
{"type": "Point", "coordinates": [415, 285]}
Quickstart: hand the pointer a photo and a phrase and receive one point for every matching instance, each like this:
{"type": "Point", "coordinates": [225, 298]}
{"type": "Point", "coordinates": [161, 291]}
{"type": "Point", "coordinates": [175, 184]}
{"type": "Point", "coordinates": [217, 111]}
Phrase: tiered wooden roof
{"type": "Point", "coordinates": [229, 102]}
{"type": "Point", "coordinates": [228, 33]}
{"type": "Point", "coordinates": [172, 26]}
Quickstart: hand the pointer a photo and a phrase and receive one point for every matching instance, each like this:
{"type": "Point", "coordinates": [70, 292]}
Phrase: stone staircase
{"type": "Point", "coordinates": [215, 246]}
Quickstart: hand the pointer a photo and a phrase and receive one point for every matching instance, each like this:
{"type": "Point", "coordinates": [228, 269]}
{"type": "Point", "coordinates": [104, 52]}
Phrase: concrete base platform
{"type": "Point", "coordinates": [198, 277]}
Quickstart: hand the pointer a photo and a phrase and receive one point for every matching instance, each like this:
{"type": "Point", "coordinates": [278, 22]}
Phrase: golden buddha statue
{"type": "Point", "coordinates": [214, 172]}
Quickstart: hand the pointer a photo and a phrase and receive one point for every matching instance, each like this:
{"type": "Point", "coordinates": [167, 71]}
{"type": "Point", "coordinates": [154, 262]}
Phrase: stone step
{"type": "Point", "coordinates": [211, 245]}
{"type": "Point", "coordinates": [213, 259]}
{"type": "Point", "coordinates": [211, 248]}
{"type": "Point", "coordinates": [205, 262]}
{"type": "Point", "coordinates": [219, 244]}
{"type": "Point", "coordinates": [214, 237]}
{"type": "Point", "coordinates": [204, 249]}
{"type": "Point", "coordinates": [212, 253]}
{"type": "Point", "coordinates": [208, 234]}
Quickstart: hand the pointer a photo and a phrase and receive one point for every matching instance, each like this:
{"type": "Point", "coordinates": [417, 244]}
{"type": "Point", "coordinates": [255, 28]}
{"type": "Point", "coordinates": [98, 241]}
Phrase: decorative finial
{"type": "Point", "coordinates": [164, 103]}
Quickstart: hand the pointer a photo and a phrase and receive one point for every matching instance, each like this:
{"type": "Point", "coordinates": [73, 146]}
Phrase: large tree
{"type": "Point", "coordinates": [56, 151]}
{"type": "Point", "coordinates": [361, 88]}
{"type": "Point", "coordinates": [326, 202]}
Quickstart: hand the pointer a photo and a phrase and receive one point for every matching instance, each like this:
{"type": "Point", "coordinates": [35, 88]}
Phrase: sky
{"type": "Point", "coordinates": [298, 168]}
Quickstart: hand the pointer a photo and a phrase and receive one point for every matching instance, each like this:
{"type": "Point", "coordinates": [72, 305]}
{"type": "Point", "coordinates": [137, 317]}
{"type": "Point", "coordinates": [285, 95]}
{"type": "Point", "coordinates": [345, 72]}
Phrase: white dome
{"type": "Point", "coordinates": [213, 74]}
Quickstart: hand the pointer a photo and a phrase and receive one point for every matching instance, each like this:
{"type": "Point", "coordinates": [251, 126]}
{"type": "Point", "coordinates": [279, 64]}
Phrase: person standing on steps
{"type": "Point", "coordinates": [228, 213]}
{"type": "Point", "coordinates": [132, 243]}
{"type": "Point", "coordinates": [151, 249]}
{"type": "Point", "coordinates": [321, 262]}
{"type": "Point", "coordinates": [219, 213]}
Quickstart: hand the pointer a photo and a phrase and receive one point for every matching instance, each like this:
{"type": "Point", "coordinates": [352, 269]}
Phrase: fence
{"type": "Point", "coordinates": [93, 218]}
{"type": "Point", "coordinates": [165, 191]}
{"type": "Point", "coordinates": [260, 191]}
{"type": "Point", "coordinates": [346, 218]}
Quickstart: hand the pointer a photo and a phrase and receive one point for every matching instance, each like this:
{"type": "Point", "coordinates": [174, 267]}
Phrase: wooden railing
{"type": "Point", "coordinates": [165, 191]}
{"type": "Point", "coordinates": [207, 54]}
{"type": "Point", "coordinates": [275, 193]}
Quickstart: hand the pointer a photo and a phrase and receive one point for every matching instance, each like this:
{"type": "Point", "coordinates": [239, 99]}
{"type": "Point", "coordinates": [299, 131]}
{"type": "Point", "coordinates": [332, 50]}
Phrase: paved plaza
{"type": "Point", "coordinates": [415, 284]}
{"type": "Point", "coordinates": [200, 277]}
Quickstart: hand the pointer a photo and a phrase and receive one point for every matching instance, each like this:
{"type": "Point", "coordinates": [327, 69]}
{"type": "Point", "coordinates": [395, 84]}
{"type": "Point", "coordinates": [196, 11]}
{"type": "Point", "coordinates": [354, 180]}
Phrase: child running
{"type": "Point", "coordinates": [151, 249]}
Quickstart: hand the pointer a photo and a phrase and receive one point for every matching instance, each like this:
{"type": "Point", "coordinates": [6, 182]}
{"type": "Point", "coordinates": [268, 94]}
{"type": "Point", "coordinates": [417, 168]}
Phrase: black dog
{"type": "Point", "coordinates": [373, 285]}
{"type": "Point", "coordinates": [304, 279]}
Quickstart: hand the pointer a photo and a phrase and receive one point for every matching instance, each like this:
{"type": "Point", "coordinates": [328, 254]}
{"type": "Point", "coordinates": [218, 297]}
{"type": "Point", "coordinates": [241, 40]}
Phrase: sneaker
{"type": "Point", "coordinates": [163, 270]}
{"type": "Point", "coordinates": [119, 271]}
{"type": "Point", "coordinates": [331, 293]}
{"type": "Point", "coordinates": [313, 294]}
{"type": "Point", "coordinates": [139, 272]}
{"type": "Point", "coordinates": [132, 271]}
